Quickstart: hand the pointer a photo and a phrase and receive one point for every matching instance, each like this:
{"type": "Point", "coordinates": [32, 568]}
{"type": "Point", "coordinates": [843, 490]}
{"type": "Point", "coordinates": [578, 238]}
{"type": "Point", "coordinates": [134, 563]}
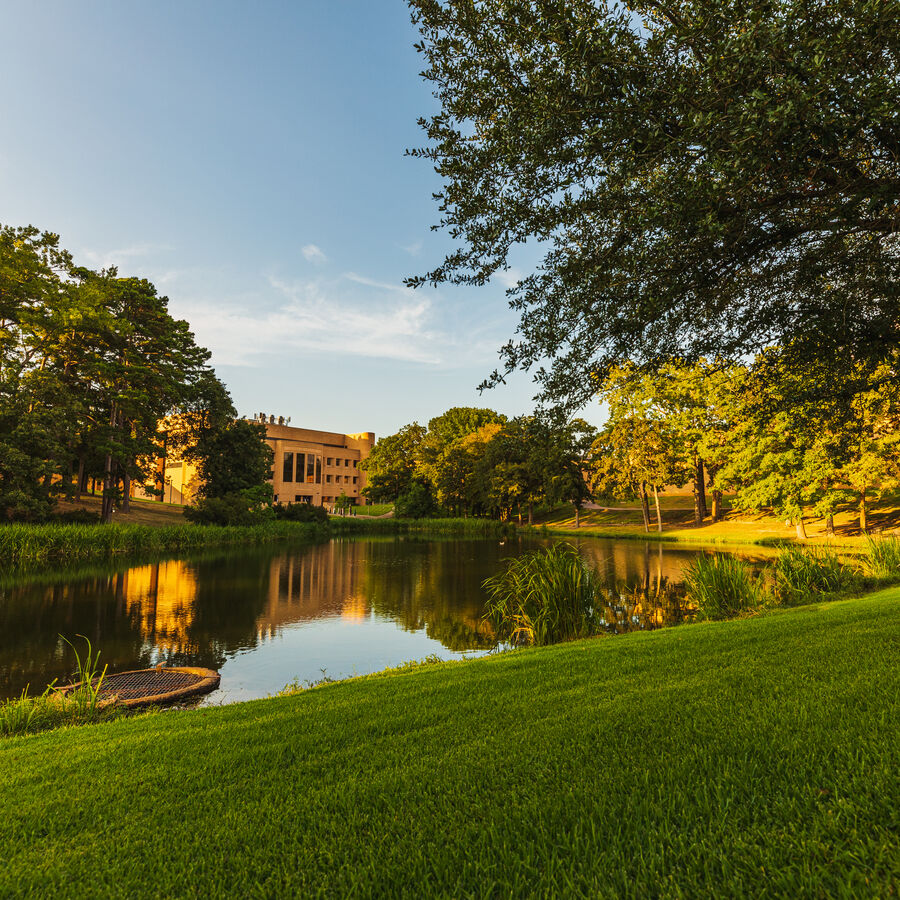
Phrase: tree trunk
{"type": "Point", "coordinates": [126, 495]}
{"type": "Point", "coordinates": [81, 485]}
{"type": "Point", "coordinates": [863, 517]}
{"type": "Point", "coordinates": [801, 528]}
{"type": "Point", "coordinates": [829, 524]}
{"type": "Point", "coordinates": [107, 504]}
{"type": "Point", "coordinates": [645, 506]}
{"type": "Point", "coordinates": [658, 513]}
{"type": "Point", "coordinates": [698, 508]}
{"type": "Point", "coordinates": [578, 517]}
{"type": "Point", "coordinates": [700, 511]}
{"type": "Point", "coordinates": [531, 514]}
{"type": "Point", "coordinates": [716, 505]}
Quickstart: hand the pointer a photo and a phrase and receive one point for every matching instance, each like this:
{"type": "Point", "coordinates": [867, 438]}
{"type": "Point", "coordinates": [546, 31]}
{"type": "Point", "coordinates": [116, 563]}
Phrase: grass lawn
{"type": "Point", "coordinates": [625, 521]}
{"type": "Point", "coordinates": [374, 509]}
{"type": "Point", "coordinates": [143, 512]}
{"type": "Point", "coordinates": [750, 758]}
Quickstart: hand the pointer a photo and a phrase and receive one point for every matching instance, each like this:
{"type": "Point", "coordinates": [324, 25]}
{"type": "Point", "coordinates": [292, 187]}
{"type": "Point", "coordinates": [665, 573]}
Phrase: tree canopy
{"type": "Point", "coordinates": [90, 363]}
{"type": "Point", "coordinates": [704, 178]}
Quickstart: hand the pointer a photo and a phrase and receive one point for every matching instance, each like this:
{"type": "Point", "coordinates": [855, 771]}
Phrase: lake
{"type": "Point", "coordinates": [267, 617]}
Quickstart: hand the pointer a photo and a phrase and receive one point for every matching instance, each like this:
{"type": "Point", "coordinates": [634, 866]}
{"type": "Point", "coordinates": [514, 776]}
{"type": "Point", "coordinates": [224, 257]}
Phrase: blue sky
{"type": "Point", "coordinates": [248, 158]}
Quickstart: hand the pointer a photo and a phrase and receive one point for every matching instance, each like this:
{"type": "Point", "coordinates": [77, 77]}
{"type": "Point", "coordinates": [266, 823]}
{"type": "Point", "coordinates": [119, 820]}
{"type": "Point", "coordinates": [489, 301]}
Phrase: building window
{"type": "Point", "coordinates": [288, 470]}
{"type": "Point", "coordinates": [329, 461]}
{"type": "Point", "coordinates": [346, 463]}
{"type": "Point", "coordinates": [318, 470]}
{"type": "Point", "coordinates": [327, 479]}
{"type": "Point", "coordinates": [354, 463]}
{"type": "Point", "coordinates": [301, 462]}
{"type": "Point", "coordinates": [310, 468]}
{"type": "Point", "coordinates": [354, 479]}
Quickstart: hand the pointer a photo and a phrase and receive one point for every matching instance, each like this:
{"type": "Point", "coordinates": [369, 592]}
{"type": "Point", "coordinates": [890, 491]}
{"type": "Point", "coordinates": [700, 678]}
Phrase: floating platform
{"type": "Point", "coordinates": [149, 687]}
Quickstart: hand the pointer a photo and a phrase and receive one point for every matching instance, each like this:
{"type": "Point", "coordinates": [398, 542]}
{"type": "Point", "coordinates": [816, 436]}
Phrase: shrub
{"type": "Point", "coordinates": [883, 556]}
{"type": "Point", "coordinates": [301, 512]}
{"type": "Point", "coordinates": [801, 574]}
{"type": "Point", "coordinates": [239, 508]}
{"type": "Point", "coordinates": [722, 586]}
{"type": "Point", "coordinates": [544, 597]}
{"type": "Point", "coordinates": [416, 503]}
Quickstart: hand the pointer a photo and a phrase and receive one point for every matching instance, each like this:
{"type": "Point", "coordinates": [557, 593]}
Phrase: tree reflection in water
{"type": "Point", "coordinates": [204, 610]}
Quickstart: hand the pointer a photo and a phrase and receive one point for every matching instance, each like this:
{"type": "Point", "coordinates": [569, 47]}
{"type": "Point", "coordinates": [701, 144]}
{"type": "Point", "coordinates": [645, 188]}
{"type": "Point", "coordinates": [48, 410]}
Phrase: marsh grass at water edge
{"type": "Point", "coordinates": [55, 707]}
{"type": "Point", "coordinates": [29, 545]}
{"type": "Point", "coordinates": [883, 556]}
{"type": "Point", "coordinates": [801, 574]}
{"type": "Point", "coordinates": [721, 586]}
{"type": "Point", "coordinates": [544, 597]}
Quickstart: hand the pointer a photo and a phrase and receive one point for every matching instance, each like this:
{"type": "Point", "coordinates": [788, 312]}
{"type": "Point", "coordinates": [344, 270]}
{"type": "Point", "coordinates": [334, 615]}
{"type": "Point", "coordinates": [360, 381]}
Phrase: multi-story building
{"type": "Point", "coordinates": [316, 466]}
{"type": "Point", "coordinates": [309, 466]}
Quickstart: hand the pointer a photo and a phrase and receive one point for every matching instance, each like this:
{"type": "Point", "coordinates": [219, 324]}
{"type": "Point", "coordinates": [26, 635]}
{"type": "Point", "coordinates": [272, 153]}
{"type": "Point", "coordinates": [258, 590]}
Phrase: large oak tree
{"type": "Point", "coordinates": [703, 177]}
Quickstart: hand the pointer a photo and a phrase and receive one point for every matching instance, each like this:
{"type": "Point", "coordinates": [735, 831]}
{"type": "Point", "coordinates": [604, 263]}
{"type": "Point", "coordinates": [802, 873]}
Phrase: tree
{"type": "Point", "coordinates": [446, 428]}
{"type": "Point", "coordinates": [631, 454]}
{"type": "Point", "coordinates": [391, 465]}
{"type": "Point", "coordinates": [705, 178]}
{"type": "Point", "coordinates": [416, 502]}
{"type": "Point", "coordinates": [89, 365]}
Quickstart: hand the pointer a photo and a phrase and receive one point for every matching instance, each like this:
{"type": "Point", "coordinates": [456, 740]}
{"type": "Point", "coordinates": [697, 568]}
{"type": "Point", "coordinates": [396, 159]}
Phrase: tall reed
{"type": "Point", "coordinates": [544, 597]}
{"type": "Point", "coordinates": [53, 708]}
{"type": "Point", "coordinates": [883, 556]}
{"type": "Point", "coordinates": [86, 695]}
{"type": "Point", "coordinates": [29, 545]}
{"type": "Point", "coordinates": [801, 574]}
{"type": "Point", "coordinates": [722, 586]}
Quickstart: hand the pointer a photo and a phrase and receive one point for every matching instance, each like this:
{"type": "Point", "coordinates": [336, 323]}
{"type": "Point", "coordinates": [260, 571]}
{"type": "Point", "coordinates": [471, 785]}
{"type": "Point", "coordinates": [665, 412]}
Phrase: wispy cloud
{"type": "Point", "coordinates": [316, 316]}
{"type": "Point", "coordinates": [413, 249]}
{"type": "Point", "coordinates": [314, 254]}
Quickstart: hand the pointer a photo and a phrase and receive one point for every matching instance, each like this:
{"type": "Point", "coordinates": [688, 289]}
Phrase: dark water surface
{"type": "Point", "coordinates": [264, 617]}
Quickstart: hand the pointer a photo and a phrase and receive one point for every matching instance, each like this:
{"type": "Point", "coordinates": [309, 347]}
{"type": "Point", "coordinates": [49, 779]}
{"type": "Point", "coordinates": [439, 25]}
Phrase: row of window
{"type": "Point", "coordinates": [306, 468]}
{"type": "Point", "coordinates": [333, 461]}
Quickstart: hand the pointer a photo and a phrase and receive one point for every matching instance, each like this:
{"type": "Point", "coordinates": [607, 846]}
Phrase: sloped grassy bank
{"type": "Point", "coordinates": [744, 758]}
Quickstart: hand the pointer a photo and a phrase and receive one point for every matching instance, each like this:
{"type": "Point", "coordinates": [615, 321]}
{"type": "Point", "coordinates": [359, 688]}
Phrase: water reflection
{"type": "Point", "coordinates": [266, 616]}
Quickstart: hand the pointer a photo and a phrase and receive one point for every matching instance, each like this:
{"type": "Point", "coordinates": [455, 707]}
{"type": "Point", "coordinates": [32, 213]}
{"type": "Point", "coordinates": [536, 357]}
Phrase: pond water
{"type": "Point", "coordinates": [265, 617]}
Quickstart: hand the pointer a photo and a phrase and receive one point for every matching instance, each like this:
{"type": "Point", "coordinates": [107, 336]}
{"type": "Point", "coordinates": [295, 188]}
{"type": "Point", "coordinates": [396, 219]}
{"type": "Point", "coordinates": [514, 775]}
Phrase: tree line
{"type": "Point", "coordinates": [91, 364]}
{"type": "Point", "coordinates": [767, 432]}
{"type": "Point", "coordinates": [762, 433]}
{"type": "Point", "coordinates": [472, 461]}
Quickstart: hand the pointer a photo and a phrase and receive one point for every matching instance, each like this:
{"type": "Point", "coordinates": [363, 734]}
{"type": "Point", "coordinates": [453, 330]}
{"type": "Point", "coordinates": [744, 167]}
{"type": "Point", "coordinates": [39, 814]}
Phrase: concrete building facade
{"type": "Point", "coordinates": [316, 466]}
{"type": "Point", "coordinates": [309, 466]}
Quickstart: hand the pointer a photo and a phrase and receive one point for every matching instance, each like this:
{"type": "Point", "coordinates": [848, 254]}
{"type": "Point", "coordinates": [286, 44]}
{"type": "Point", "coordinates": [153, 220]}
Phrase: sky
{"type": "Point", "coordinates": [248, 158]}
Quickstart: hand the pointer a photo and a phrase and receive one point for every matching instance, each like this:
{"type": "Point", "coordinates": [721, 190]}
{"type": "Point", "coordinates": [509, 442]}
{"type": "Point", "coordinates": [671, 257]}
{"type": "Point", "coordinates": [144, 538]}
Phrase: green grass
{"type": "Point", "coordinates": [749, 758]}
{"type": "Point", "coordinates": [24, 546]}
{"type": "Point", "coordinates": [373, 509]}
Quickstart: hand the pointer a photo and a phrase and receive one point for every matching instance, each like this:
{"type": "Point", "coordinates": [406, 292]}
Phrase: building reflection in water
{"type": "Point", "coordinates": [209, 609]}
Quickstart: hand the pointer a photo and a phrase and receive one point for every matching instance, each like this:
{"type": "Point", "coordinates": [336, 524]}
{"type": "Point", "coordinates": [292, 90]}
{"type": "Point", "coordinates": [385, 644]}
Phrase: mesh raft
{"type": "Point", "coordinates": [146, 687]}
